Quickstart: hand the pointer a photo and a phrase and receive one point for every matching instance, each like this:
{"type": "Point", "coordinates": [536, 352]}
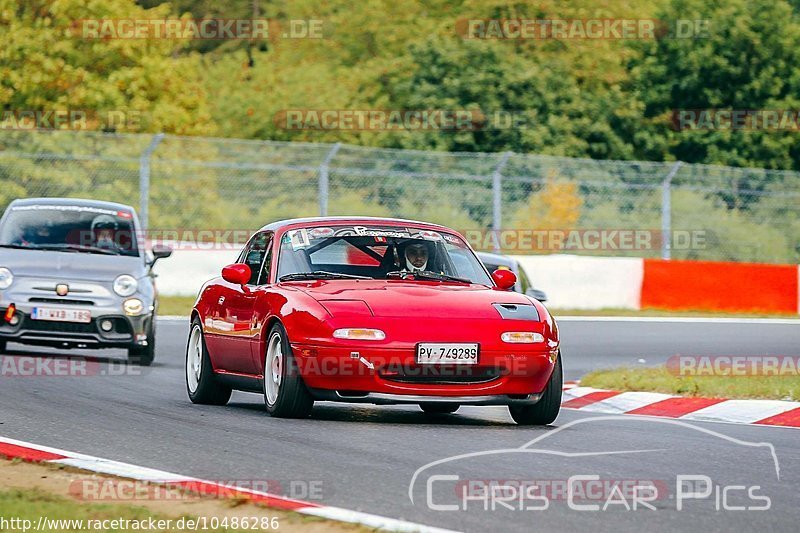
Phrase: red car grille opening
{"type": "Point", "coordinates": [442, 374]}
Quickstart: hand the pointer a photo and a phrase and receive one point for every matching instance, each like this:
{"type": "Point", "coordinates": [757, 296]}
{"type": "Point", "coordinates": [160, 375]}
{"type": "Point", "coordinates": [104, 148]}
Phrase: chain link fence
{"type": "Point", "coordinates": [509, 202]}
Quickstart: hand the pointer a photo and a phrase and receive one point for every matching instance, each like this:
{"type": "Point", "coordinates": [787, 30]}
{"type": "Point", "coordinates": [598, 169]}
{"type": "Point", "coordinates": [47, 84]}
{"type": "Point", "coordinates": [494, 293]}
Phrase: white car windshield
{"type": "Point", "coordinates": [69, 228]}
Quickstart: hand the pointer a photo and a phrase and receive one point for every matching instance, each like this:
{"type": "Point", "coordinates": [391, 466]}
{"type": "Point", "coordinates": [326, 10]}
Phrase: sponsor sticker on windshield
{"type": "Point", "coordinates": [299, 239]}
{"type": "Point", "coordinates": [452, 239]}
{"type": "Point", "coordinates": [362, 231]}
{"type": "Point", "coordinates": [429, 235]}
{"type": "Point", "coordinates": [320, 233]}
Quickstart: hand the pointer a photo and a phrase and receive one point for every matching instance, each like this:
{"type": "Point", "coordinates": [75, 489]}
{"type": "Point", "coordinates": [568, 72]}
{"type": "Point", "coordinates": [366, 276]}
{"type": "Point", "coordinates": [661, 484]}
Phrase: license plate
{"type": "Point", "coordinates": [452, 353]}
{"type": "Point", "coordinates": [61, 315]}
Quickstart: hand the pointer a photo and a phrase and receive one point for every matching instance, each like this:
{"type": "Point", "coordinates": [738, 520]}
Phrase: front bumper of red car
{"type": "Point", "coordinates": [368, 374]}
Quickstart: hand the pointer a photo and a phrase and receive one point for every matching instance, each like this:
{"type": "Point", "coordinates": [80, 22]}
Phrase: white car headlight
{"type": "Point", "coordinates": [6, 278]}
{"type": "Point", "coordinates": [125, 285]}
{"type": "Point", "coordinates": [522, 337]}
{"type": "Point", "coordinates": [360, 334]}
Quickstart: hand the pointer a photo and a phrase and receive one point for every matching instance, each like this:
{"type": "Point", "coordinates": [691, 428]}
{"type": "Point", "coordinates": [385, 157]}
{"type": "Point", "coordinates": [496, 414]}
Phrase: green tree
{"type": "Point", "coordinates": [748, 61]}
{"type": "Point", "coordinates": [46, 64]}
{"type": "Point", "coordinates": [556, 116]}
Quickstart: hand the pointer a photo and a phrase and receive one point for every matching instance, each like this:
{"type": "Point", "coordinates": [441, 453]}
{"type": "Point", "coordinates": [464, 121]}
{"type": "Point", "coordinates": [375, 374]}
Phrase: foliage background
{"type": "Point", "coordinates": [596, 99]}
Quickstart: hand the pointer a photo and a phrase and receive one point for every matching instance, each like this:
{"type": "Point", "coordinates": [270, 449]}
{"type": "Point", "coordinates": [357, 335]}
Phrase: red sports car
{"type": "Point", "coordinates": [371, 310]}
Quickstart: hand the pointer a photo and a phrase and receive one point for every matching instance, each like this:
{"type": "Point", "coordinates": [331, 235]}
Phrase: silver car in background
{"type": "Point", "coordinates": [72, 275]}
{"type": "Point", "coordinates": [494, 261]}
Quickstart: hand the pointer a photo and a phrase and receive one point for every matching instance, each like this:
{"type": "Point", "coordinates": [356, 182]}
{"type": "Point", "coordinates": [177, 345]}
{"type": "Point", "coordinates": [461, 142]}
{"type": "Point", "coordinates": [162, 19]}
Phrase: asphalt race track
{"type": "Point", "coordinates": [364, 457]}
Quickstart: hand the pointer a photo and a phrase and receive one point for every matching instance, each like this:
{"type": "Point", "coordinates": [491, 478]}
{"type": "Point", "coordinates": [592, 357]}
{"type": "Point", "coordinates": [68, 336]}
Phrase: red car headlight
{"type": "Point", "coordinates": [522, 337]}
{"type": "Point", "coordinates": [360, 334]}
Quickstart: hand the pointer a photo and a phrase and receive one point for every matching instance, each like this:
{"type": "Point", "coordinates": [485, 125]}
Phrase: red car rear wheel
{"type": "Point", "coordinates": [201, 384]}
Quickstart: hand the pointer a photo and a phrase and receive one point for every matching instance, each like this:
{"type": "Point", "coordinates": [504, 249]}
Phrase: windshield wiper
{"type": "Point", "coordinates": [76, 248]}
{"type": "Point", "coordinates": [320, 274]}
{"type": "Point", "coordinates": [426, 275]}
{"type": "Point", "coordinates": [17, 246]}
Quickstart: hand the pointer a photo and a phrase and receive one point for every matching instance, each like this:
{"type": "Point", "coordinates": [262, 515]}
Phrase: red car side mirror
{"type": "Point", "coordinates": [504, 279]}
{"type": "Point", "coordinates": [237, 273]}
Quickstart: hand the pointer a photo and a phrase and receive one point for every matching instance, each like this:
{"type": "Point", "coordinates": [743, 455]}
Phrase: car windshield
{"type": "Point", "coordinates": [69, 228]}
{"type": "Point", "coordinates": [378, 252]}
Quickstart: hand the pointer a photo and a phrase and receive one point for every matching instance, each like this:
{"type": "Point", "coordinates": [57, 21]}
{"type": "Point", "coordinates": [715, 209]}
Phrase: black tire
{"type": "Point", "coordinates": [291, 397]}
{"type": "Point", "coordinates": [209, 391]}
{"type": "Point", "coordinates": [435, 408]}
{"type": "Point", "coordinates": [546, 409]}
{"type": "Point", "coordinates": [144, 355]}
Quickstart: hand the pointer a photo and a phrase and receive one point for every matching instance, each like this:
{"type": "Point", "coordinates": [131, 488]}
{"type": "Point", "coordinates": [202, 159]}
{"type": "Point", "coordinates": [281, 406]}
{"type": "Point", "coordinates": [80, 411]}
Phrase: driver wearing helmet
{"type": "Point", "coordinates": [104, 228]}
{"type": "Point", "coordinates": [416, 255]}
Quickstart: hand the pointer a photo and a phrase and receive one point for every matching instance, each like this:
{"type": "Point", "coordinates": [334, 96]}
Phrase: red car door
{"type": "Point", "coordinates": [212, 326]}
{"type": "Point", "coordinates": [236, 326]}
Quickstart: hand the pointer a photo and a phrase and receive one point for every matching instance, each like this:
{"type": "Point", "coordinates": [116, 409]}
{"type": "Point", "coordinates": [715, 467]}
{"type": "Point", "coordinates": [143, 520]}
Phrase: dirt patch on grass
{"type": "Point", "coordinates": [80, 493]}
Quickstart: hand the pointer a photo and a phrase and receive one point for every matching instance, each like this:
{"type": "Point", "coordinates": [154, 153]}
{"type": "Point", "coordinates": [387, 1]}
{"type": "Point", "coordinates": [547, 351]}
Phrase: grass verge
{"type": "Point", "coordinates": [175, 305]}
{"type": "Point", "coordinates": [660, 379]}
{"type": "Point", "coordinates": [33, 492]}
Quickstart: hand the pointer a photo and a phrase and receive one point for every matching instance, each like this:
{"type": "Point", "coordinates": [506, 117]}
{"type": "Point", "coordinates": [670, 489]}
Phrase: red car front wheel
{"type": "Point", "coordinates": [547, 408]}
{"type": "Point", "coordinates": [285, 394]}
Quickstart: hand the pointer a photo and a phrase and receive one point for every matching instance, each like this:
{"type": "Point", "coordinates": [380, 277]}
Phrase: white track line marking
{"type": "Point", "coordinates": [626, 401]}
{"type": "Point", "coordinates": [577, 392]}
{"type": "Point", "coordinates": [741, 411]}
{"type": "Point", "coordinates": [107, 466]}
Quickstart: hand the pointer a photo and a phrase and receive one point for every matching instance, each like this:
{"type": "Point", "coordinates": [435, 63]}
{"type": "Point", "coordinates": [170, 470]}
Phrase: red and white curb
{"type": "Point", "coordinates": [760, 412]}
{"type": "Point", "coordinates": [26, 451]}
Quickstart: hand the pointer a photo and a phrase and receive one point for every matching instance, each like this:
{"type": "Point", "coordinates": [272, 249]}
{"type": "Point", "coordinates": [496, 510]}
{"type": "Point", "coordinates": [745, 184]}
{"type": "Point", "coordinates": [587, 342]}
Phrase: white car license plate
{"type": "Point", "coordinates": [61, 315]}
{"type": "Point", "coordinates": [453, 353]}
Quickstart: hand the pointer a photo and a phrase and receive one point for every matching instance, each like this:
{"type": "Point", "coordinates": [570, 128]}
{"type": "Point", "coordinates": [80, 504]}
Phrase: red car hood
{"type": "Point", "coordinates": [414, 299]}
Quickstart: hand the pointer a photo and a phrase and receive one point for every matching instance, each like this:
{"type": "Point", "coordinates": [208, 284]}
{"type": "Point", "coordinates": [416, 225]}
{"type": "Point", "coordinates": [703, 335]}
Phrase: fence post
{"type": "Point", "coordinates": [666, 211]}
{"type": "Point", "coordinates": [323, 180]}
{"type": "Point", "coordinates": [144, 181]}
{"type": "Point", "coordinates": [497, 198]}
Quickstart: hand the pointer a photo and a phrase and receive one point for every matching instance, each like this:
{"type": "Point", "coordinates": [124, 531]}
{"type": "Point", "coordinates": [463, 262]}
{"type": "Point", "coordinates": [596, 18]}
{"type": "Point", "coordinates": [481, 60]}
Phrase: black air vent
{"type": "Point", "coordinates": [517, 311]}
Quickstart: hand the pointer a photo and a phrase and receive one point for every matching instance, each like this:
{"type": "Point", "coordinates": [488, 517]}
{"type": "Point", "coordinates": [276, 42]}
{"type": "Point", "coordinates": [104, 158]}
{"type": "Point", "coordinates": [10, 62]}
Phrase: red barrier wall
{"type": "Point", "coordinates": [717, 286]}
